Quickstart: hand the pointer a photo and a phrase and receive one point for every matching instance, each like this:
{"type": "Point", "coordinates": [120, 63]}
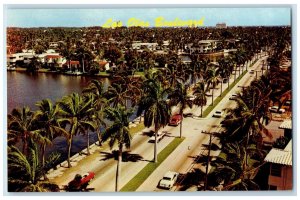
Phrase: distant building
{"type": "Point", "coordinates": [203, 46]}
{"type": "Point", "coordinates": [221, 25]}
{"type": "Point", "coordinates": [140, 46]}
{"type": "Point", "coordinates": [281, 168]}
{"type": "Point", "coordinates": [24, 57]}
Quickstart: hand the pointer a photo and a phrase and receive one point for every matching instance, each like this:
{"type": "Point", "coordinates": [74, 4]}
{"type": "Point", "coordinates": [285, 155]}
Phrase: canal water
{"type": "Point", "coordinates": [25, 89]}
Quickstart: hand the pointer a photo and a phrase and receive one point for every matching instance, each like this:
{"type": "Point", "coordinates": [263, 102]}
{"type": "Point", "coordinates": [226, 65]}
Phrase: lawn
{"type": "Point", "coordinates": [136, 181]}
{"type": "Point", "coordinates": [225, 92]}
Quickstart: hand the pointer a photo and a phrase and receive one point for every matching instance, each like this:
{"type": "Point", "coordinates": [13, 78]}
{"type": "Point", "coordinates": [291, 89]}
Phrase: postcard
{"type": "Point", "coordinates": [145, 99]}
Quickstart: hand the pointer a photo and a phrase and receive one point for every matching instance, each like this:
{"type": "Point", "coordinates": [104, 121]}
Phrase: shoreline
{"type": "Point", "coordinates": [101, 74]}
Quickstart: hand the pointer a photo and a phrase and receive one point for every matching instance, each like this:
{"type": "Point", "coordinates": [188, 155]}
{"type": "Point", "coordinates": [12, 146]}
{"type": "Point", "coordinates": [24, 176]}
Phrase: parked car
{"type": "Point", "coordinates": [251, 71]}
{"type": "Point", "coordinates": [225, 80]}
{"type": "Point", "coordinates": [192, 97]}
{"type": "Point", "coordinates": [233, 97]}
{"type": "Point", "coordinates": [168, 180]}
{"type": "Point", "coordinates": [288, 103]}
{"type": "Point", "coordinates": [218, 114]}
{"type": "Point", "coordinates": [79, 183]}
{"type": "Point", "coordinates": [160, 136]}
{"type": "Point", "coordinates": [175, 120]}
{"type": "Point", "coordinates": [276, 110]}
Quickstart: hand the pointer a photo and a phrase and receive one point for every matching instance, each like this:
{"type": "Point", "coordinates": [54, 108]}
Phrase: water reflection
{"type": "Point", "coordinates": [25, 89]}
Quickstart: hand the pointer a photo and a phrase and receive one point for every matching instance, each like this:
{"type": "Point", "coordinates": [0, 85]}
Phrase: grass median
{"type": "Point", "coordinates": [225, 92]}
{"type": "Point", "coordinates": [136, 181]}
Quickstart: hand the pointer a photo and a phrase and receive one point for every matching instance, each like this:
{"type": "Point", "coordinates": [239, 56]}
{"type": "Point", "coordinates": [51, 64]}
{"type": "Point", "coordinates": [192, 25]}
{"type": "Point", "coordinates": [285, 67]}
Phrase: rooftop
{"type": "Point", "coordinates": [281, 156]}
{"type": "Point", "coordinates": [286, 124]}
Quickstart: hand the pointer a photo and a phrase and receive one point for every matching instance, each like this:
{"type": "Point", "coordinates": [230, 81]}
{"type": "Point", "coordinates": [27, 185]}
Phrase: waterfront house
{"type": "Point", "coordinates": [72, 65]}
{"type": "Point", "coordinates": [23, 57]}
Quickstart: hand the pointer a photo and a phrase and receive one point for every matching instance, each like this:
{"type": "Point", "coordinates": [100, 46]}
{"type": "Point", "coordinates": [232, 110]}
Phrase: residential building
{"type": "Point", "coordinates": [141, 46]}
{"type": "Point", "coordinates": [286, 125]}
{"type": "Point", "coordinates": [281, 168]}
{"type": "Point", "coordinates": [221, 25]}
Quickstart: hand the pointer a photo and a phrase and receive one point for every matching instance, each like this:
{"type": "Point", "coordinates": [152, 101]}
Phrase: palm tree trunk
{"type": "Point", "coordinates": [99, 136]}
{"type": "Point", "coordinates": [221, 88]}
{"type": "Point", "coordinates": [69, 150]}
{"type": "Point", "coordinates": [212, 97]}
{"type": "Point", "coordinates": [155, 145]}
{"type": "Point", "coordinates": [181, 114]}
{"type": "Point", "coordinates": [228, 81]}
{"type": "Point", "coordinates": [234, 75]}
{"type": "Point", "coordinates": [201, 111]}
{"type": "Point", "coordinates": [88, 143]}
{"type": "Point", "coordinates": [207, 163]}
{"type": "Point", "coordinates": [118, 167]}
{"type": "Point", "coordinates": [83, 66]}
{"type": "Point", "coordinates": [43, 154]}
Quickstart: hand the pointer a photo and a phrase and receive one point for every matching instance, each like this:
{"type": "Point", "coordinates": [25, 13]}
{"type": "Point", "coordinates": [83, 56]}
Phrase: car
{"type": "Point", "coordinates": [233, 97]}
{"type": "Point", "coordinates": [276, 110]}
{"type": "Point", "coordinates": [251, 71]}
{"type": "Point", "coordinates": [225, 80]}
{"type": "Point", "coordinates": [168, 180]}
{"type": "Point", "coordinates": [218, 114]}
{"type": "Point", "coordinates": [191, 97]}
{"type": "Point", "coordinates": [175, 120]}
{"type": "Point", "coordinates": [79, 183]}
{"type": "Point", "coordinates": [160, 135]}
{"type": "Point", "coordinates": [288, 103]}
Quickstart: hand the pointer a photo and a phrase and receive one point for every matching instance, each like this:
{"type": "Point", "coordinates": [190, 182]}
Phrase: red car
{"type": "Point", "coordinates": [80, 183]}
{"type": "Point", "coordinates": [175, 120]}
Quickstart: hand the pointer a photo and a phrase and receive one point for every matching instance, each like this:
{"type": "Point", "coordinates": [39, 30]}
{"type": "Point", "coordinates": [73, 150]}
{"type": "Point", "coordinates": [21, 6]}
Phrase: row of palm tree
{"type": "Point", "coordinates": [80, 114]}
{"type": "Point", "coordinates": [241, 140]}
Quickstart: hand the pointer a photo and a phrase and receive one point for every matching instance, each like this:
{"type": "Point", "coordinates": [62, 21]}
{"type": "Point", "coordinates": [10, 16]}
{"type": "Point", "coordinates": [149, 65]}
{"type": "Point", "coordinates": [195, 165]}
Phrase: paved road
{"type": "Point", "coordinates": [180, 160]}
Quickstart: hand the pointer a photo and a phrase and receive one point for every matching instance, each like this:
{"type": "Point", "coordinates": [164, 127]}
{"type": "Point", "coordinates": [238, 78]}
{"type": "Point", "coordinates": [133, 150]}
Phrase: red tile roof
{"type": "Point", "coordinates": [73, 62]}
{"type": "Point", "coordinates": [53, 56]}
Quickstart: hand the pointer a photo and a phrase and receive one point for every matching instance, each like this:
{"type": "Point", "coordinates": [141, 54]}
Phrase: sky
{"type": "Point", "coordinates": [38, 17]}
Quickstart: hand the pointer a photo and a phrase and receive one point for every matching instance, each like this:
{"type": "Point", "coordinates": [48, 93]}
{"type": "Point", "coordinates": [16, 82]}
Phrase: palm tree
{"type": "Point", "coordinates": [212, 79]}
{"type": "Point", "coordinates": [25, 172]}
{"type": "Point", "coordinates": [47, 116]}
{"type": "Point", "coordinates": [115, 94]}
{"type": "Point", "coordinates": [118, 133]}
{"type": "Point", "coordinates": [74, 112]}
{"type": "Point", "coordinates": [180, 96]}
{"type": "Point", "coordinates": [231, 169]}
{"type": "Point", "coordinates": [96, 89]}
{"type": "Point", "coordinates": [156, 109]}
{"type": "Point", "coordinates": [245, 122]}
{"type": "Point", "coordinates": [200, 93]}
{"type": "Point", "coordinates": [22, 125]}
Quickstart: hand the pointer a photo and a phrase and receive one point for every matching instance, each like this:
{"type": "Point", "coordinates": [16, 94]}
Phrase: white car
{"type": "Point", "coordinates": [191, 97]}
{"type": "Point", "coordinates": [160, 136]}
{"type": "Point", "coordinates": [168, 180]}
{"type": "Point", "coordinates": [275, 109]}
{"type": "Point", "coordinates": [233, 97]}
{"type": "Point", "coordinates": [218, 114]}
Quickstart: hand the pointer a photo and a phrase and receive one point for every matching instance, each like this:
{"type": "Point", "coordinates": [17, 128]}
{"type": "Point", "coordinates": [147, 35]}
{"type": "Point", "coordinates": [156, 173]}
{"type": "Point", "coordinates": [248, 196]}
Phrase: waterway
{"type": "Point", "coordinates": [25, 89]}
